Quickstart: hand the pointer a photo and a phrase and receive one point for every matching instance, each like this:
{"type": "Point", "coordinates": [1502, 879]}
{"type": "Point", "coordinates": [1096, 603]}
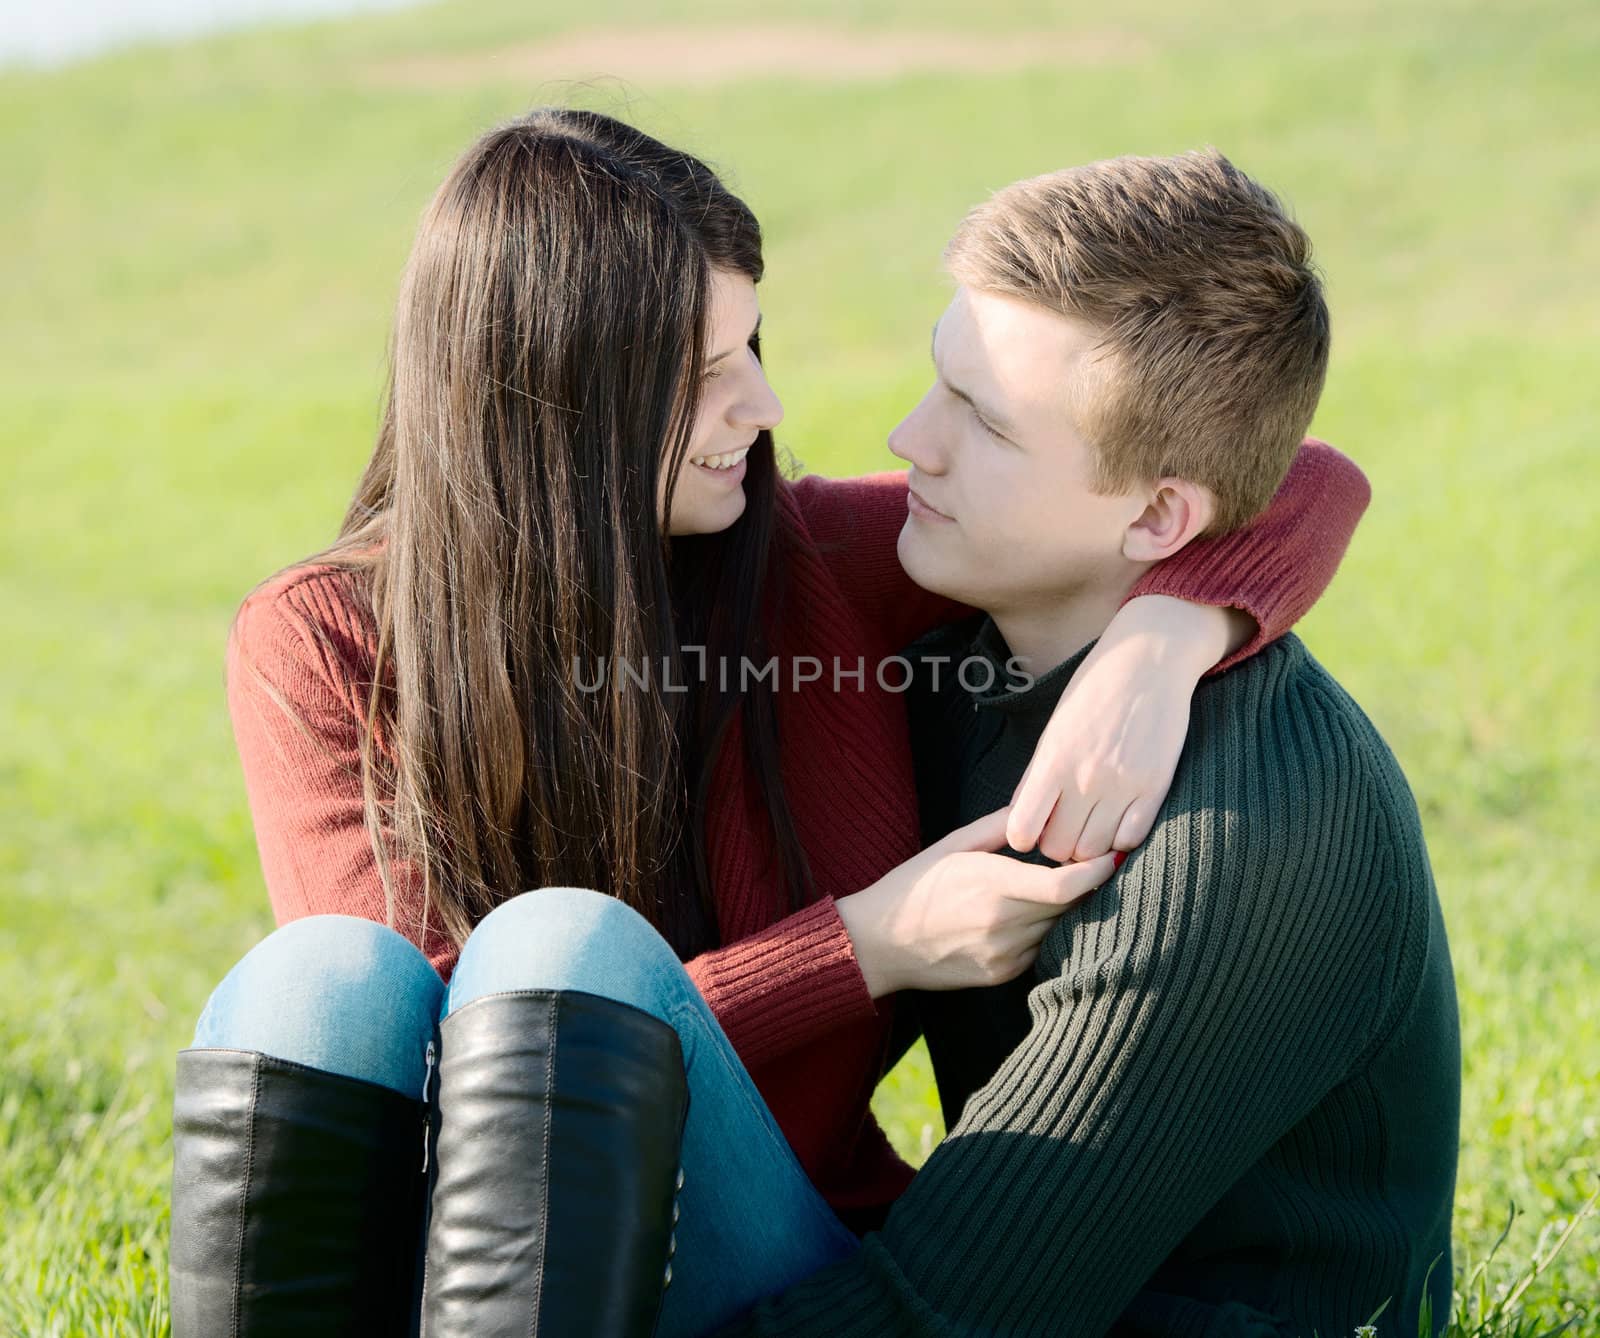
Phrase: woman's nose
{"type": "Point", "coordinates": [763, 408]}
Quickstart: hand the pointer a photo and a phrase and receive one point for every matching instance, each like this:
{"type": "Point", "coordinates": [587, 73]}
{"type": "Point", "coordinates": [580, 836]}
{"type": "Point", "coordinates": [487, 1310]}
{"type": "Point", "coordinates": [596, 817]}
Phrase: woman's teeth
{"type": "Point", "coordinates": [725, 461]}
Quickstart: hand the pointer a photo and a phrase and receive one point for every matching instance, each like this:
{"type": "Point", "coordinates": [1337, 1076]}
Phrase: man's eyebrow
{"type": "Point", "coordinates": [728, 353]}
{"type": "Point", "coordinates": [995, 420]}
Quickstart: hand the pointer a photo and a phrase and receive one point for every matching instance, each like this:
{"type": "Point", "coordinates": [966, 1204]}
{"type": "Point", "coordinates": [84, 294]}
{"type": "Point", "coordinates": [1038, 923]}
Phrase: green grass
{"type": "Point", "coordinates": [199, 249]}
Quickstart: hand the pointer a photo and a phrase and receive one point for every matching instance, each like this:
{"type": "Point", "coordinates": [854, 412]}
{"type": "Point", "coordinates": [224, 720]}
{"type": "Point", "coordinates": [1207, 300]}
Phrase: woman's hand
{"type": "Point", "coordinates": [1105, 762]}
{"type": "Point", "coordinates": [955, 916]}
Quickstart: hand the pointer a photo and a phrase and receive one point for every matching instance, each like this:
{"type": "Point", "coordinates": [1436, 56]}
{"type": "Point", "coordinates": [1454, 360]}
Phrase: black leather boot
{"type": "Point", "coordinates": [561, 1119]}
{"type": "Point", "coordinates": [297, 1201]}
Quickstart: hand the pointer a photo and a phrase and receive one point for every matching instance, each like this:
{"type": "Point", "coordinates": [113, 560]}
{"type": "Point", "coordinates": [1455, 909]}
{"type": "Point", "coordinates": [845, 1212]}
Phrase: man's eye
{"type": "Point", "coordinates": [984, 424]}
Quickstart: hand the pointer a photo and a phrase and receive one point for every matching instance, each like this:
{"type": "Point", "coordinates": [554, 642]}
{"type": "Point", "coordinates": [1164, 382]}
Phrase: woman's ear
{"type": "Point", "coordinates": [1178, 512]}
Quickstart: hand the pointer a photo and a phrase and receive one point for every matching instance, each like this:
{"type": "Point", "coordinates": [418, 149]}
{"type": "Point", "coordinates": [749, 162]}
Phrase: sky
{"type": "Point", "coordinates": [41, 33]}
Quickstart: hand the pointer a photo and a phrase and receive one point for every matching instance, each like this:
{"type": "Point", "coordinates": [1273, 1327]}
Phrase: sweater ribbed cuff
{"type": "Point", "coordinates": [786, 985]}
{"type": "Point", "coordinates": [1251, 581]}
{"type": "Point", "coordinates": [1276, 567]}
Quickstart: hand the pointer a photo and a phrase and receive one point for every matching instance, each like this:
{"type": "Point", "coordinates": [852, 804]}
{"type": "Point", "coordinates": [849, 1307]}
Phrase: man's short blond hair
{"type": "Point", "coordinates": [1214, 330]}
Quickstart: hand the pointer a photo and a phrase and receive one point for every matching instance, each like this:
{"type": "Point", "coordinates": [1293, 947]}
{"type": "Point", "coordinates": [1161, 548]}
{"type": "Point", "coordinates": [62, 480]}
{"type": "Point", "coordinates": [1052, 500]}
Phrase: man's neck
{"type": "Point", "coordinates": [1047, 632]}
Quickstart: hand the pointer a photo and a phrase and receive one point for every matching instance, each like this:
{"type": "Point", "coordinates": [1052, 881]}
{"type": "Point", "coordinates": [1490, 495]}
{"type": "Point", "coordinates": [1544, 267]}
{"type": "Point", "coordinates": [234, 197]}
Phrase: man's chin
{"type": "Point", "coordinates": [935, 573]}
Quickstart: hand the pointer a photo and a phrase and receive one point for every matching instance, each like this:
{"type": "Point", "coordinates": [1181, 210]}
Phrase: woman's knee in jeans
{"type": "Point", "coordinates": [570, 938]}
{"type": "Point", "coordinates": [336, 992]}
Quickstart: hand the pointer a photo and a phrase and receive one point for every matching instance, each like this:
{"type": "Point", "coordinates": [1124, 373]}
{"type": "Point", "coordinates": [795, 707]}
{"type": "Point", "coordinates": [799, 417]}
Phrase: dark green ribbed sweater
{"type": "Point", "coordinates": [1226, 1099]}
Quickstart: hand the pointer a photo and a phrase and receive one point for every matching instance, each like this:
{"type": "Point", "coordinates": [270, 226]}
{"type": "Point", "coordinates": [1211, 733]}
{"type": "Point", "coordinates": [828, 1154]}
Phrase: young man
{"type": "Point", "coordinates": [1225, 1099]}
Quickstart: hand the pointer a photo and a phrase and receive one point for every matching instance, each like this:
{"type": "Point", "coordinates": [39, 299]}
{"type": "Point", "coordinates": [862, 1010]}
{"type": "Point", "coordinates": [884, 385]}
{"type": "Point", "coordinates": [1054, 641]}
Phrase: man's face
{"type": "Point", "coordinates": [736, 403]}
{"type": "Point", "coordinates": [992, 446]}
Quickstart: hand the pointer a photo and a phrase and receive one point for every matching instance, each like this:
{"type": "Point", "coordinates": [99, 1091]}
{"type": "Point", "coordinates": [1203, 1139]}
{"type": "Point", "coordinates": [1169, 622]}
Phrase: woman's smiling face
{"type": "Point", "coordinates": [736, 404]}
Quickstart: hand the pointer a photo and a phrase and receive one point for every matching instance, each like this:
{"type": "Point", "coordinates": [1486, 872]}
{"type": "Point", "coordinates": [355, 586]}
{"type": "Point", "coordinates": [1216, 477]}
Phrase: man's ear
{"type": "Point", "coordinates": [1177, 513]}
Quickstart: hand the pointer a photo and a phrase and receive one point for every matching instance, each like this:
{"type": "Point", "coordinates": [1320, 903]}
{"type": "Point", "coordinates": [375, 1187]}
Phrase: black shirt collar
{"type": "Point", "coordinates": [1028, 705]}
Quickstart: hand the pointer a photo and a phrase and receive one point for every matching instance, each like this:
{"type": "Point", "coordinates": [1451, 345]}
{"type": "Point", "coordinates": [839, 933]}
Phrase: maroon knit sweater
{"type": "Point", "coordinates": [786, 987]}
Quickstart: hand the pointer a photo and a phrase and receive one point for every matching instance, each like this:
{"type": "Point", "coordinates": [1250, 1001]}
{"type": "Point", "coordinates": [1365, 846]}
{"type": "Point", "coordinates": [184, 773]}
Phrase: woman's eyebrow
{"type": "Point", "coordinates": [728, 353]}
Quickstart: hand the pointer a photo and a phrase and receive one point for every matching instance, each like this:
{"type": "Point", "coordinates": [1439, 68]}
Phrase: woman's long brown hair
{"type": "Point", "coordinates": [545, 368]}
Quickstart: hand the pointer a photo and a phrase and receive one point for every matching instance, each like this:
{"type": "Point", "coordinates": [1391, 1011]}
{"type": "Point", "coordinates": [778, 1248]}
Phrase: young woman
{"type": "Point", "coordinates": [572, 987]}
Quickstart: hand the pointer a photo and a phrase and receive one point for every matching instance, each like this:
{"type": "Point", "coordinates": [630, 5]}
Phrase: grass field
{"type": "Point", "coordinates": [199, 249]}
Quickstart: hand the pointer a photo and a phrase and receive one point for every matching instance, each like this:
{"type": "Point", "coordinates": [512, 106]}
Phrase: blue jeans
{"type": "Point", "coordinates": [351, 996]}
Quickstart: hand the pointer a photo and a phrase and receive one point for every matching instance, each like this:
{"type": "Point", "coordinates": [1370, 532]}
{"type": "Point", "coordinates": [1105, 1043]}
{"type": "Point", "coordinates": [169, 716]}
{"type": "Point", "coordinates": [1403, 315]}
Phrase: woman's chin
{"type": "Point", "coordinates": [710, 515]}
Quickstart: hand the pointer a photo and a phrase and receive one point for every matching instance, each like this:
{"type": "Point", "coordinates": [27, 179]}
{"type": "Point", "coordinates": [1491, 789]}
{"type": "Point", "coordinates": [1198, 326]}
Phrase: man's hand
{"type": "Point", "coordinates": [1105, 761]}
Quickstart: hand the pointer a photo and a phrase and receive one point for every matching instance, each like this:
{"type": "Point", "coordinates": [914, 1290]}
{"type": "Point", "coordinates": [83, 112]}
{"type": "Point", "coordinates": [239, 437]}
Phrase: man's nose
{"type": "Point", "coordinates": [913, 441]}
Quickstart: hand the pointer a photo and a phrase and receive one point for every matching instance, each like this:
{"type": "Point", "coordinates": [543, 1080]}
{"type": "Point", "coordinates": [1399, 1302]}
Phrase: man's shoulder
{"type": "Point", "coordinates": [1277, 696]}
{"type": "Point", "coordinates": [1289, 834]}
{"type": "Point", "coordinates": [1281, 746]}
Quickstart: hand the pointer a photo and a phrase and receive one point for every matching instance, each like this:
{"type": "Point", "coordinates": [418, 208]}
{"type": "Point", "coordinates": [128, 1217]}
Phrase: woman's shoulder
{"type": "Point", "coordinates": [313, 619]}
{"type": "Point", "coordinates": [850, 526]}
{"type": "Point", "coordinates": [830, 505]}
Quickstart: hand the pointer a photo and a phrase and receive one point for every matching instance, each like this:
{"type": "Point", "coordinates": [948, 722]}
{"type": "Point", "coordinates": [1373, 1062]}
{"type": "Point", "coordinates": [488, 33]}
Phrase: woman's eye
{"type": "Point", "coordinates": [711, 374]}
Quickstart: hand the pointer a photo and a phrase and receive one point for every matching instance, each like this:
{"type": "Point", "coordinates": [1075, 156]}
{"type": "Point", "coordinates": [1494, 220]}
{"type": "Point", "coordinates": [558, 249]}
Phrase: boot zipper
{"type": "Point", "coordinates": [427, 1081]}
